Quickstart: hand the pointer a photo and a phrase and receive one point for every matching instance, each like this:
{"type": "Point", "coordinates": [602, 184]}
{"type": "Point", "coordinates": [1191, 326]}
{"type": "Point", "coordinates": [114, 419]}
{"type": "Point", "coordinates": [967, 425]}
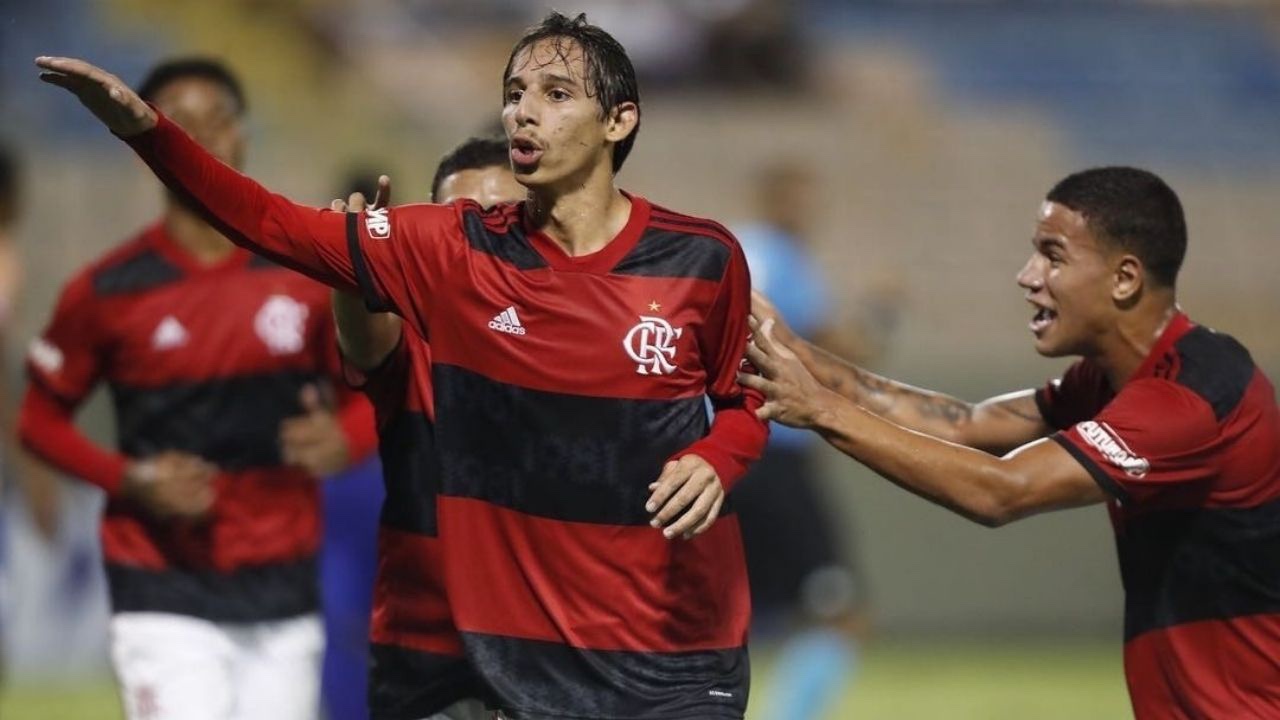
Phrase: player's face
{"type": "Point", "coordinates": [558, 134]}
{"type": "Point", "coordinates": [1068, 281]}
{"type": "Point", "coordinates": [208, 112]}
{"type": "Point", "coordinates": [488, 186]}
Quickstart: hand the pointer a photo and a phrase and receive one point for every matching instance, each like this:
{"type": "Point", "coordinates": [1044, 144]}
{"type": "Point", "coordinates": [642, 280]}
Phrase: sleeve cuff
{"type": "Point", "coordinates": [1100, 476]}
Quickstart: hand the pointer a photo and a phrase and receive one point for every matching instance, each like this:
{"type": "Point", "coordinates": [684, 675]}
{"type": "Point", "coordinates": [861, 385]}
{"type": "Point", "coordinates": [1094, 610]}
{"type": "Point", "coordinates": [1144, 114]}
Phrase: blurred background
{"type": "Point", "coordinates": [924, 133]}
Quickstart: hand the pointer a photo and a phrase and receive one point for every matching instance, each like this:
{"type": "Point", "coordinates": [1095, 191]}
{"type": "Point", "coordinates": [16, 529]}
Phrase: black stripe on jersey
{"type": "Point", "coordinates": [233, 422]}
{"type": "Point", "coordinates": [509, 244]}
{"type": "Point", "coordinates": [707, 227]}
{"type": "Point", "coordinates": [1100, 476]}
{"type": "Point", "coordinates": [406, 445]}
{"type": "Point", "coordinates": [250, 594]}
{"type": "Point", "coordinates": [534, 680]}
{"type": "Point", "coordinates": [1215, 367]}
{"type": "Point", "coordinates": [668, 253]}
{"type": "Point", "coordinates": [144, 271]}
{"type": "Point", "coordinates": [1183, 566]}
{"type": "Point", "coordinates": [406, 684]}
{"type": "Point", "coordinates": [372, 301]}
{"type": "Point", "coordinates": [566, 457]}
{"type": "Point", "coordinates": [260, 262]}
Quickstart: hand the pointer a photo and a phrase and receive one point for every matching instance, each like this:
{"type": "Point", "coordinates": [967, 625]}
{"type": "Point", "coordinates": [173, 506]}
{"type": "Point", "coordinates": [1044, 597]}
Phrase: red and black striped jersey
{"type": "Point", "coordinates": [561, 386]}
{"type": "Point", "coordinates": [1189, 448]}
{"type": "Point", "coordinates": [418, 664]}
{"type": "Point", "coordinates": [206, 360]}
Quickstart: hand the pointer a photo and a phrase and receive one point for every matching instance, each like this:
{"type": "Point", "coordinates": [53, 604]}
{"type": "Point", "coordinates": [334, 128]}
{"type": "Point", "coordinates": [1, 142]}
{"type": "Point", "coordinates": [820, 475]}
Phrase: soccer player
{"type": "Point", "coordinates": [213, 358]}
{"type": "Point", "coordinates": [418, 669]}
{"type": "Point", "coordinates": [574, 339]}
{"type": "Point", "coordinates": [1168, 422]}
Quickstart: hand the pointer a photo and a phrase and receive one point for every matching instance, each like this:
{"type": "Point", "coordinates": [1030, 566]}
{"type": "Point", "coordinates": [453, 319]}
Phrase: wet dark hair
{"type": "Point", "coordinates": [182, 68]}
{"type": "Point", "coordinates": [1133, 211]}
{"type": "Point", "coordinates": [611, 79]}
{"type": "Point", "coordinates": [476, 153]}
{"type": "Point", "coordinates": [10, 190]}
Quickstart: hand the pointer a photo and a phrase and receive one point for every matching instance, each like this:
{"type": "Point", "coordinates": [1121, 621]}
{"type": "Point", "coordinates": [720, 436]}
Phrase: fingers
{"type": "Point", "coordinates": [755, 382]}
{"type": "Point", "coordinates": [761, 305]}
{"type": "Point", "coordinates": [767, 411]}
{"type": "Point", "coordinates": [338, 206]}
{"type": "Point", "coordinates": [356, 202]}
{"type": "Point", "coordinates": [663, 486]}
{"type": "Point", "coordinates": [712, 515]}
{"type": "Point", "coordinates": [691, 488]}
{"type": "Point", "coordinates": [762, 362]}
{"type": "Point", "coordinates": [382, 198]}
{"type": "Point", "coordinates": [697, 515]}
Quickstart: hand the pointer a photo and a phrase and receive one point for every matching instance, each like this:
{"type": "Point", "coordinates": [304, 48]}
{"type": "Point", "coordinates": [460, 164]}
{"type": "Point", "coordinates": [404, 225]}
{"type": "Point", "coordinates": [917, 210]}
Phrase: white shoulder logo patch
{"type": "Point", "coordinates": [1113, 449]}
{"type": "Point", "coordinates": [378, 223]}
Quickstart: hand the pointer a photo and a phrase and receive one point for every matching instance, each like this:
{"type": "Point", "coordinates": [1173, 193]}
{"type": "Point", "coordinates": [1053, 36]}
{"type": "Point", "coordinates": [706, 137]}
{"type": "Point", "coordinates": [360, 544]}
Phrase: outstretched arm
{"type": "Point", "coordinates": [1037, 477]}
{"type": "Point", "coordinates": [997, 425]}
{"type": "Point", "coordinates": [330, 247]}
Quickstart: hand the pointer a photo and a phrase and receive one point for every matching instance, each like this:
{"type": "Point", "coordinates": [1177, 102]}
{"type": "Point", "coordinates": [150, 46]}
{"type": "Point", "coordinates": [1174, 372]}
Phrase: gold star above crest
{"type": "Point", "coordinates": [654, 306]}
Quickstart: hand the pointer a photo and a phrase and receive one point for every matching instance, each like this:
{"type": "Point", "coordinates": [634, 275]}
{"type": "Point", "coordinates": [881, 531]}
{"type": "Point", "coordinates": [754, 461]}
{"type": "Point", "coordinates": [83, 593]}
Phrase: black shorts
{"type": "Point", "coordinates": [790, 537]}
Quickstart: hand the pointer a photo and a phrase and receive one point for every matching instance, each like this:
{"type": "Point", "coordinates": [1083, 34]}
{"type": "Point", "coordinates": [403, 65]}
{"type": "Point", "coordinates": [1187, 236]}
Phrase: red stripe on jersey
{"type": "Point", "coordinates": [593, 586]}
{"type": "Point", "coordinates": [1211, 669]}
{"type": "Point", "coordinates": [580, 332]}
{"type": "Point", "coordinates": [409, 604]}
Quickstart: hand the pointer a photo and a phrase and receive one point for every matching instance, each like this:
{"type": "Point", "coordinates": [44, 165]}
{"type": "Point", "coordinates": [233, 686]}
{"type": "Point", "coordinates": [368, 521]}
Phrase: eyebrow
{"type": "Point", "coordinates": [546, 77]}
{"type": "Point", "coordinates": [1041, 241]}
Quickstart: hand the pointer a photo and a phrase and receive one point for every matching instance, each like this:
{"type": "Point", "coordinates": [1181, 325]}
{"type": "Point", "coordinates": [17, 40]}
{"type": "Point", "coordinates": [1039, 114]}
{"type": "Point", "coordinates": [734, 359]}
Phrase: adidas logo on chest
{"type": "Point", "coordinates": [507, 322]}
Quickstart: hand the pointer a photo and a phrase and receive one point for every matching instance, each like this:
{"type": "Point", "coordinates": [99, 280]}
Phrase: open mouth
{"type": "Point", "coordinates": [1043, 318]}
{"type": "Point", "coordinates": [524, 152]}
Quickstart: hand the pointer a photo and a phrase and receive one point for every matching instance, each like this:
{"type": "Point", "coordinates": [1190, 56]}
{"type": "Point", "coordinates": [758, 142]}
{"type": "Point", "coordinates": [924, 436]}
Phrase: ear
{"type": "Point", "coordinates": [1128, 280]}
{"type": "Point", "coordinates": [621, 121]}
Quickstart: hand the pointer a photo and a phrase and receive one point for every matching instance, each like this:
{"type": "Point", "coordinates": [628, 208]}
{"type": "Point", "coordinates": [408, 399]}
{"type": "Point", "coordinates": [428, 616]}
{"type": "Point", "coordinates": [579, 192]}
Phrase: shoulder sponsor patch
{"type": "Point", "coordinates": [1114, 450]}
{"type": "Point", "coordinates": [378, 223]}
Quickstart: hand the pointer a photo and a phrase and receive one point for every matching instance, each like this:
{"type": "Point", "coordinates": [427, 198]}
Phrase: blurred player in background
{"type": "Point", "coordinates": [418, 666]}
{"type": "Point", "coordinates": [216, 361]}
{"type": "Point", "coordinates": [574, 338]}
{"type": "Point", "coordinates": [805, 589]}
{"type": "Point", "coordinates": [1168, 422]}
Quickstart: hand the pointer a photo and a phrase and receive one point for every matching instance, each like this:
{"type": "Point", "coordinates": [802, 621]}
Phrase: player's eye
{"type": "Point", "coordinates": [559, 95]}
{"type": "Point", "coordinates": [514, 95]}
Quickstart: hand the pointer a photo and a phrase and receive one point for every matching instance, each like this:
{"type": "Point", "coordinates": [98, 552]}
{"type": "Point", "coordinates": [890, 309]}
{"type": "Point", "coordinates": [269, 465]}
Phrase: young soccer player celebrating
{"type": "Point", "coordinates": [1168, 422]}
{"type": "Point", "coordinates": [574, 338]}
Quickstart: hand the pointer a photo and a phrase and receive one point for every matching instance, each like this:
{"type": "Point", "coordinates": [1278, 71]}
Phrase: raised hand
{"type": "Point", "coordinates": [106, 96]}
{"type": "Point", "coordinates": [792, 395]}
{"type": "Point", "coordinates": [356, 202]}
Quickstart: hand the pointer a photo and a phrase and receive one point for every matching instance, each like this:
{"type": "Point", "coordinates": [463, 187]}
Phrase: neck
{"type": "Point", "coordinates": [1134, 336]}
{"type": "Point", "coordinates": [194, 235]}
{"type": "Point", "coordinates": [581, 215]}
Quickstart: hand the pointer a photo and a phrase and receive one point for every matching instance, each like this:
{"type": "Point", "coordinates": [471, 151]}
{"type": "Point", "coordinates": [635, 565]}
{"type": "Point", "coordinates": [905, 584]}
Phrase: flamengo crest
{"type": "Point", "coordinates": [282, 324]}
{"type": "Point", "coordinates": [651, 343]}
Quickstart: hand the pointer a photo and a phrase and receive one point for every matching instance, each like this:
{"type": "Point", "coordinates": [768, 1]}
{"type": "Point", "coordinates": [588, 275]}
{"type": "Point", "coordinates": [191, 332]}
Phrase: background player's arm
{"type": "Point", "coordinates": [996, 425]}
{"type": "Point", "coordinates": [365, 338]}
{"type": "Point", "coordinates": [64, 365]}
{"type": "Point", "coordinates": [1037, 477]}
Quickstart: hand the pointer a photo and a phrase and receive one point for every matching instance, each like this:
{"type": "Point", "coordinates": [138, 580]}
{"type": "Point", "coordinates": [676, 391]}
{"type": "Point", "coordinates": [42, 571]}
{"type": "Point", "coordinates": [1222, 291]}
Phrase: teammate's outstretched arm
{"type": "Point", "coordinates": [327, 246]}
{"type": "Point", "coordinates": [1037, 477]}
{"type": "Point", "coordinates": [996, 425]}
{"type": "Point", "coordinates": [366, 338]}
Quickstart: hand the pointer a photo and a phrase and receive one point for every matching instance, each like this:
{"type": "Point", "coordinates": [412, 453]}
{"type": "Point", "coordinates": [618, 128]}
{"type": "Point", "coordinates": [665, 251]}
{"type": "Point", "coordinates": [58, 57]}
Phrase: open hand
{"type": "Point", "coordinates": [793, 396]}
{"type": "Point", "coordinates": [106, 96]}
{"type": "Point", "coordinates": [689, 486]}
